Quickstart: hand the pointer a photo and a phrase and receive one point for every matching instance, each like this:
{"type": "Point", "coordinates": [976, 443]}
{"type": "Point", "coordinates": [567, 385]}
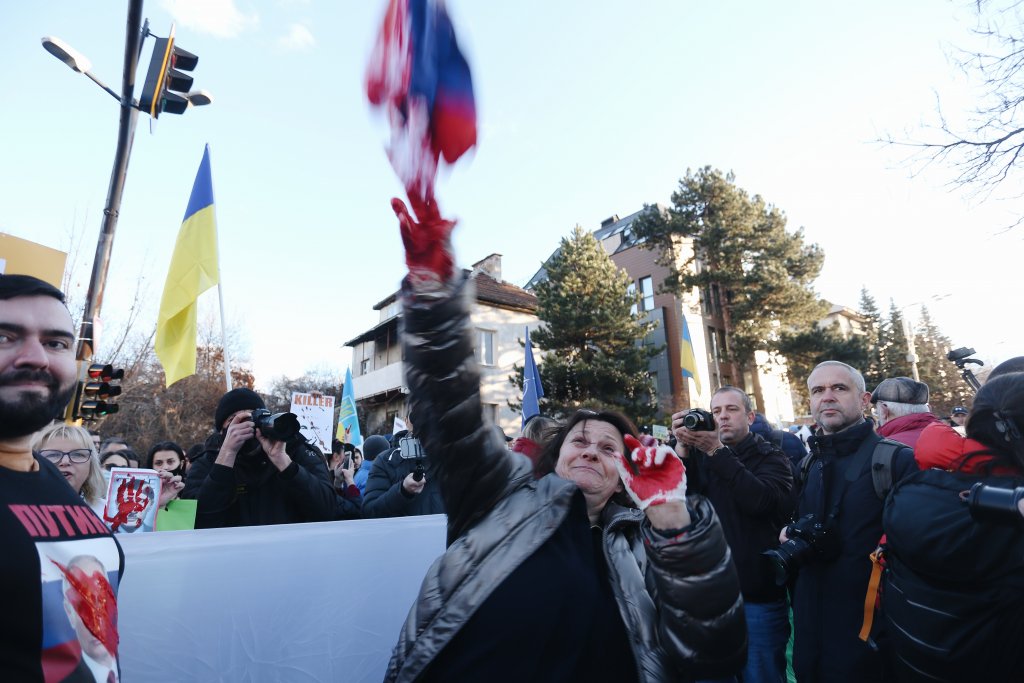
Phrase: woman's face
{"type": "Point", "coordinates": [74, 472]}
{"type": "Point", "coordinates": [114, 460]}
{"type": "Point", "coordinates": [588, 456]}
{"type": "Point", "coordinates": [357, 460]}
{"type": "Point", "coordinates": [166, 461]}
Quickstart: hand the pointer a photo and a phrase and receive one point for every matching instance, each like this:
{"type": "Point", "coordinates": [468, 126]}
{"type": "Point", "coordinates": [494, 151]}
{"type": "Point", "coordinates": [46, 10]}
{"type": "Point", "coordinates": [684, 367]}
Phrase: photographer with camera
{"type": "Point", "coordinates": [258, 469]}
{"type": "Point", "coordinates": [750, 483]}
{"type": "Point", "coordinates": [403, 483]}
{"type": "Point", "coordinates": [953, 585]}
{"type": "Point", "coordinates": [839, 523]}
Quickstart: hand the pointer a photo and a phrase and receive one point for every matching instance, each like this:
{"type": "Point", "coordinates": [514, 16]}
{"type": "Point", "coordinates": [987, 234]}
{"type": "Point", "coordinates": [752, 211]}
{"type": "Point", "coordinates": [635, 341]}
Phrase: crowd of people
{"type": "Point", "coordinates": [890, 546]}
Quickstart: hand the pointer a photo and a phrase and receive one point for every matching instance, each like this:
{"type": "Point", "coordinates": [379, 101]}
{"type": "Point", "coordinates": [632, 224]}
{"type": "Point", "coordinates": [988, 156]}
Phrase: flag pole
{"type": "Point", "coordinates": [220, 297]}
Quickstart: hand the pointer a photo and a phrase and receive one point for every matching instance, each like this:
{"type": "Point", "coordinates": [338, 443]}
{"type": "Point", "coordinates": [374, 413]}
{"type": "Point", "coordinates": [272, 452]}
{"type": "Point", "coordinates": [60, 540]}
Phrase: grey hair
{"type": "Point", "coordinates": [901, 409]}
{"type": "Point", "coordinates": [748, 405]}
{"type": "Point", "coordinates": [858, 379]}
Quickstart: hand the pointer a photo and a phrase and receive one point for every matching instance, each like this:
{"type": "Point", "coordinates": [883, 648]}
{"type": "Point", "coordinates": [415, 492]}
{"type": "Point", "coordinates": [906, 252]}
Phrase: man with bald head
{"type": "Point", "coordinates": [839, 493]}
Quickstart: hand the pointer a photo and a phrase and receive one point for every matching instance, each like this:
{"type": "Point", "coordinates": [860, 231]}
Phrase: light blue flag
{"type": "Point", "coordinates": [348, 421]}
{"type": "Point", "coordinates": [533, 391]}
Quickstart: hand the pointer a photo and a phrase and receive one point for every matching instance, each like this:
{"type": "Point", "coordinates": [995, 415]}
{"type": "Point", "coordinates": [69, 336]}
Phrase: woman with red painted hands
{"type": "Point", "coordinates": [602, 570]}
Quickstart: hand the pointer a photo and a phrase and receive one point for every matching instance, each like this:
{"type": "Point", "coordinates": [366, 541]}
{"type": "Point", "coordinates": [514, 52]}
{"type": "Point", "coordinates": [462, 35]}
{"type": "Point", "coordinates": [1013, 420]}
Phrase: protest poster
{"type": "Point", "coordinates": [316, 417]}
{"type": "Point", "coordinates": [132, 498]}
{"type": "Point", "coordinates": [659, 432]}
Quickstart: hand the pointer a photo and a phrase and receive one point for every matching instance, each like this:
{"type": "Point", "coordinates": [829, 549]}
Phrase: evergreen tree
{"type": "Point", "coordinates": [806, 348]}
{"type": "Point", "coordinates": [591, 340]}
{"type": "Point", "coordinates": [894, 346]}
{"type": "Point", "coordinates": [872, 369]}
{"type": "Point", "coordinates": [947, 388]}
{"type": "Point", "coordinates": [741, 245]}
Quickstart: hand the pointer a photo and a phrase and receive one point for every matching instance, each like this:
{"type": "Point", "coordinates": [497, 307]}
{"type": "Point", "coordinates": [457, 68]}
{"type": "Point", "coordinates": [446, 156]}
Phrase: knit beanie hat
{"type": "Point", "coordinates": [233, 401]}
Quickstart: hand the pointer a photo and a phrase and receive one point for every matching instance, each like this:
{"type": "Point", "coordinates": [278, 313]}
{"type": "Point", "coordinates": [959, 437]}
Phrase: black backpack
{"type": "Point", "coordinates": [881, 466]}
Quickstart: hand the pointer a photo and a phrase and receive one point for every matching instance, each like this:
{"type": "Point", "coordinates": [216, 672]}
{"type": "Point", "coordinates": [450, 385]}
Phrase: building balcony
{"type": "Point", "coordinates": [382, 380]}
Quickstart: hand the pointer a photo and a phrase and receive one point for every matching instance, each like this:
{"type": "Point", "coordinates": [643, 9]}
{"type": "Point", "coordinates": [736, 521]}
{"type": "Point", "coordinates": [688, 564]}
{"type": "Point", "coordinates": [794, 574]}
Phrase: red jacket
{"type": "Point", "coordinates": [907, 428]}
{"type": "Point", "coordinates": [941, 446]}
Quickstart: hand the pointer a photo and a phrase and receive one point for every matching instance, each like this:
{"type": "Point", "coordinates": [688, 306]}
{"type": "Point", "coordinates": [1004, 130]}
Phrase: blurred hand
{"type": "Point", "coordinates": [275, 451]}
{"type": "Point", "coordinates": [659, 485]}
{"type": "Point", "coordinates": [412, 486]}
{"type": "Point", "coordinates": [170, 486]}
{"type": "Point", "coordinates": [239, 430]}
{"type": "Point", "coordinates": [427, 239]}
{"type": "Point", "coordinates": [344, 476]}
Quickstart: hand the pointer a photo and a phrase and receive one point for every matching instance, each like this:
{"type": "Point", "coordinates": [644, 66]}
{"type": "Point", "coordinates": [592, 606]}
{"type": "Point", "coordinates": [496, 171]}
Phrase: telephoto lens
{"type": "Point", "coordinates": [994, 504]}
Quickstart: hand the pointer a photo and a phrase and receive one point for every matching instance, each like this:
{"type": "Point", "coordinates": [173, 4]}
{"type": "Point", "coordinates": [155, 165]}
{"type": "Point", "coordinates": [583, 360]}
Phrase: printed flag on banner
{"type": "Point", "coordinates": [687, 360]}
{"type": "Point", "coordinates": [348, 420]}
{"type": "Point", "coordinates": [533, 391]}
{"type": "Point", "coordinates": [418, 75]}
{"type": "Point", "coordinates": [193, 270]}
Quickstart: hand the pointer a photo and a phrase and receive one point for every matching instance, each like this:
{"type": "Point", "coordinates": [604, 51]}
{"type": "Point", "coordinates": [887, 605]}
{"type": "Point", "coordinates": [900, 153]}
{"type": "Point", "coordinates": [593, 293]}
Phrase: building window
{"type": "Point", "coordinates": [490, 412]}
{"type": "Point", "coordinates": [631, 293]}
{"type": "Point", "coordinates": [646, 294]}
{"type": "Point", "coordinates": [364, 366]}
{"type": "Point", "coordinates": [485, 347]}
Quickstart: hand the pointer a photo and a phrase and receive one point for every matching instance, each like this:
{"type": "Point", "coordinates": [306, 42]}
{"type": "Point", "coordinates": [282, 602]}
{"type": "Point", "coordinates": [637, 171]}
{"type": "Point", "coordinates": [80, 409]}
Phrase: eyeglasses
{"type": "Point", "coordinates": [79, 455]}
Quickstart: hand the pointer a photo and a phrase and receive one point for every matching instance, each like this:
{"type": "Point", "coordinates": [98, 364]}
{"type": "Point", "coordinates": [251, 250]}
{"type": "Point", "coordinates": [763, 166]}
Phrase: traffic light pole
{"type": "Point", "coordinates": [125, 137]}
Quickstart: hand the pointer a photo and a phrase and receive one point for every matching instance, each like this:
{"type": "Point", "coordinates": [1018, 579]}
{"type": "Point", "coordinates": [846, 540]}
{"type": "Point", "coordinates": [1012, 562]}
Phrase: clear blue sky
{"type": "Point", "coordinates": [587, 109]}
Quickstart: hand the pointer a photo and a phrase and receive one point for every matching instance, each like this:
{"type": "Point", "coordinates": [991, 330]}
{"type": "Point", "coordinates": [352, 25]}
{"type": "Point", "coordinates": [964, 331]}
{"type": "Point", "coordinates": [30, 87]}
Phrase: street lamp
{"type": "Point", "coordinates": [125, 135]}
{"type": "Point", "coordinates": [908, 332]}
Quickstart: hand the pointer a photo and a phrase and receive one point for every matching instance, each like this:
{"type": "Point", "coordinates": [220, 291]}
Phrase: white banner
{"type": "Point", "coordinates": [291, 602]}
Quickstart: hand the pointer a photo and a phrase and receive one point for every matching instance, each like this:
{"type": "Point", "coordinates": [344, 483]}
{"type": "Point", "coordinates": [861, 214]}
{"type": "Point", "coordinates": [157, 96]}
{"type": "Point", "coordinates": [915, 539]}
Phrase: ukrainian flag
{"type": "Point", "coordinates": [194, 269]}
{"type": "Point", "coordinates": [687, 360]}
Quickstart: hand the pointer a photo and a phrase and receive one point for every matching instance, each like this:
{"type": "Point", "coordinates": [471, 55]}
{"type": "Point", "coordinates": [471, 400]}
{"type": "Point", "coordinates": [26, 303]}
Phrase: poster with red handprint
{"type": "Point", "coordinates": [132, 500]}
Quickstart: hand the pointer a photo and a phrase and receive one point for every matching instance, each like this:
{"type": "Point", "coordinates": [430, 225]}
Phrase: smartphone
{"type": "Point", "coordinates": [410, 447]}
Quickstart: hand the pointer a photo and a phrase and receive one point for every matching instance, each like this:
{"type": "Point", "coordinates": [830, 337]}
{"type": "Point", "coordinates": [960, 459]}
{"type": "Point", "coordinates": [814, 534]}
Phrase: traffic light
{"type": "Point", "coordinates": [167, 84]}
{"type": "Point", "coordinates": [97, 388]}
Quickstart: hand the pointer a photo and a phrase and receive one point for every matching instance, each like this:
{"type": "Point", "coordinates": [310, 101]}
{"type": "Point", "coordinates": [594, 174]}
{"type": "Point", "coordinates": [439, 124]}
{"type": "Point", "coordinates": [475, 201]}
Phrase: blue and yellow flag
{"type": "Point", "coordinates": [194, 269]}
{"type": "Point", "coordinates": [687, 361]}
{"type": "Point", "coordinates": [348, 420]}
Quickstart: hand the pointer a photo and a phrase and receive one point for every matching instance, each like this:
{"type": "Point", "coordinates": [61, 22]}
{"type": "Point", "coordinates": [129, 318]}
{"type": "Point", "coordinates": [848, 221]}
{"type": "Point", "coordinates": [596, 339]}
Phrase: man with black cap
{"type": "Point", "coordinates": [246, 479]}
{"type": "Point", "coordinates": [901, 406]}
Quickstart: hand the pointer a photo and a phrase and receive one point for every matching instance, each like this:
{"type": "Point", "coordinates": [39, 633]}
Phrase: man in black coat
{"type": "Point", "coordinates": [839, 492]}
{"type": "Point", "coordinates": [750, 483]}
{"type": "Point", "coordinates": [393, 488]}
{"type": "Point", "coordinates": [246, 479]}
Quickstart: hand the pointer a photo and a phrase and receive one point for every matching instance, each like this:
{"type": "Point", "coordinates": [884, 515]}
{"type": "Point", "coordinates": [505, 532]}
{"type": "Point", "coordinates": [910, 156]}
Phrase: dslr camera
{"type": "Point", "coordinates": [809, 539]}
{"type": "Point", "coordinates": [276, 426]}
{"type": "Point", "coordinates": [994, 504]}
{"type": "Point", "coordinates": [698, 420]}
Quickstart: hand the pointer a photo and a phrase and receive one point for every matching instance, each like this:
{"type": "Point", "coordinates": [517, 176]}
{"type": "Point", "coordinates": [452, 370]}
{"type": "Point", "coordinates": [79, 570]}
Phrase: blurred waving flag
{"type": "Point", "coordinates": [687, 360]}
{"type": "Point", "coordinates": [533, 392]}
{"type": "Point", "coordinates": [421, 79]}
{"type": "Point", "coordinates": [193, 270]}
{"type": "Point", "coordinates": [348, 420]}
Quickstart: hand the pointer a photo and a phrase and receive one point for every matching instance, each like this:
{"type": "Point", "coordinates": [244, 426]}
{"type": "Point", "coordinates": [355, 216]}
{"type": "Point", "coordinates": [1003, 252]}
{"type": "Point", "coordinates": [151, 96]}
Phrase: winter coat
{"type": "Point", "coordinates": [953, 593]}
{"type": "Point", "coordinates": [254, 492]}
{"type": "Point", "coordinates": [678, 597]}
{"type": "Point", "coordinates": [907, 428]}
{"type": "Point", "coordinates": [384, 496]}
{"type": "Point", "coordinates": [828, 597]}
{"type": "Point", "coordinates": [751, 486]}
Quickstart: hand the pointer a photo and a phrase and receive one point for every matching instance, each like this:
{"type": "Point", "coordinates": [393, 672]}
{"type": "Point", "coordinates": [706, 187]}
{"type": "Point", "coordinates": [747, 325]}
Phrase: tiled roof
{"type": "Point", "coordinates": [489, 290]}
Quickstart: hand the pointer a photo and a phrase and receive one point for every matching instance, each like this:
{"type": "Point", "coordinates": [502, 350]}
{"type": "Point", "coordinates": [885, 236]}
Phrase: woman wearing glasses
{"type": "Point", "coordinates": [71, 449]}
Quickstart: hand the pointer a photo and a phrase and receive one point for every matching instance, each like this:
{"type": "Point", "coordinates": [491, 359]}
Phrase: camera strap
{"type": "Point", "coordinates": [850, 468]}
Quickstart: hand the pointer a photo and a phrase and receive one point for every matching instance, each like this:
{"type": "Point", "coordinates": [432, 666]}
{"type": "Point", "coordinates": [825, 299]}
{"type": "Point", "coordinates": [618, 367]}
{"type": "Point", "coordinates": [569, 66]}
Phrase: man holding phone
{"type": "Point", "coordinates": [403, 483]}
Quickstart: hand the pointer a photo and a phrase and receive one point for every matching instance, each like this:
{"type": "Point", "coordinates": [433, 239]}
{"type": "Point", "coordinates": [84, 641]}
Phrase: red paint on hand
{"type": "Point", "coordinates": [660, 475]}
{"type": "Point", "coordinates": [427, 236]}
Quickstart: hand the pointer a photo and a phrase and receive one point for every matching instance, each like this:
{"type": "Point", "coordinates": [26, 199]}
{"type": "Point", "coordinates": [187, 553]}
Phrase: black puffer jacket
{"type": "Point", "coordinates": [254, 493]}
{"type": "Point", "coordinates": [384, 496]}
{"type": "Point", "coordinates": [678, 597]}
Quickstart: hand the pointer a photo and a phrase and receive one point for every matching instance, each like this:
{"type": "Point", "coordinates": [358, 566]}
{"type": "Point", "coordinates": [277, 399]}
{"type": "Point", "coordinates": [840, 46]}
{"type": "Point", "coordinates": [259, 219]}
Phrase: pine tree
{"type": "Point", "coordinates": [894, 347]}
{"type": "Point", "coordinates": [741, 245]}
{"type": "Point", "coordinates": [805, 349]}
{"type": "Point", "coordinates": [947, 388]}
{"type": "Point", "coordinates": [872, 370]}
{"type": "Point", "coordinates": [591, 340]}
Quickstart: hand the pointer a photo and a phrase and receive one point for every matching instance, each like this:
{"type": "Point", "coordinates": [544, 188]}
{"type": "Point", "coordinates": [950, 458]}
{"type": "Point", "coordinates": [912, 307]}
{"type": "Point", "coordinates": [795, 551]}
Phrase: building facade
{"type": "Point", "coordinates": [500, 316]}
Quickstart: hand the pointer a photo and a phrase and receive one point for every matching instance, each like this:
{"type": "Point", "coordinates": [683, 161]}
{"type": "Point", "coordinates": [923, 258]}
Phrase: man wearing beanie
{"type": "Point", "coordinates": [246, 479]}
{"type": "Point", "coordinates": [901, 406]}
